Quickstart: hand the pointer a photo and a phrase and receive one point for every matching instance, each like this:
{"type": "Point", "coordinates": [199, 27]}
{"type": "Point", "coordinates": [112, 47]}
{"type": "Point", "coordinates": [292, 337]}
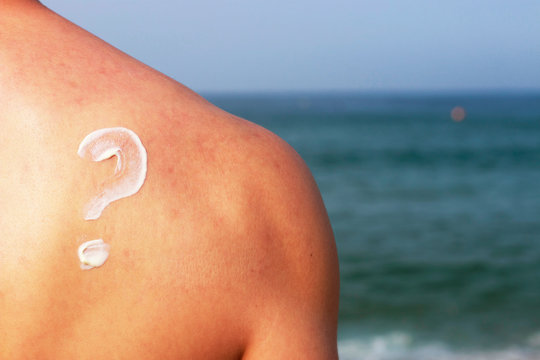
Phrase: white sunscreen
{"type": "Point", "coordinates": [130, 171]}
{"type": "Point", "coordinates": [128, 178]}
{"type": "Point", "coordinates": [93, 253]}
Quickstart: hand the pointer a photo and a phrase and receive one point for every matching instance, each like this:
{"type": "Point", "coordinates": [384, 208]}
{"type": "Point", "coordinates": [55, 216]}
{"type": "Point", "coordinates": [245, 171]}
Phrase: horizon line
{"type": "Point", "coordinates": [322, 91]}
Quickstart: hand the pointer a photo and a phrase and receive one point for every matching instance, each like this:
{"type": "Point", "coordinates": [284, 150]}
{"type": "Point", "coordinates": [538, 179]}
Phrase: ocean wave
{"type": "Point", "coordinates": [401, 346]}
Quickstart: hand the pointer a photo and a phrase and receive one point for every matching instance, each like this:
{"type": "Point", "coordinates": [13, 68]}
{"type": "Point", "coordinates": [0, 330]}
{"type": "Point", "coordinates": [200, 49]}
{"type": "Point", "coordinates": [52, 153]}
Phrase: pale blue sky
{"type": "Point", "coordinates": [244, 45]}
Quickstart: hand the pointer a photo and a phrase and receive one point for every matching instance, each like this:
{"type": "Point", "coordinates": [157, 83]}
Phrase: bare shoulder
{"type": "Point", "coordinates": [277, 228]}
{"type": "Point", "coordinates": [298, 311]}
{"type": "Point", "coordinates": [228, 235]}
{"type": "Point", "coordinates": [260, 212]}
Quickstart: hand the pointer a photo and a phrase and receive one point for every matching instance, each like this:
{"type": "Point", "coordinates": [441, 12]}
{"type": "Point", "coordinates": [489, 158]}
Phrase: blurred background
{"type": "Point", "coordinates": [421, 123]}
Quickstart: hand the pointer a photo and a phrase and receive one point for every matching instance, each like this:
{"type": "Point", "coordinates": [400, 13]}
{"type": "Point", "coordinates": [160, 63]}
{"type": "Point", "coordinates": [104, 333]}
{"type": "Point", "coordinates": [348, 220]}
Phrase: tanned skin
{"type": "Point", "coordinates": [226, 252]}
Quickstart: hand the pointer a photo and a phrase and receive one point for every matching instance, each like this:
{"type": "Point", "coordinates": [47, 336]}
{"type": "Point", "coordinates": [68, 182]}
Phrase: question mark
{"type": "Point", "coordinates": [128, 178]}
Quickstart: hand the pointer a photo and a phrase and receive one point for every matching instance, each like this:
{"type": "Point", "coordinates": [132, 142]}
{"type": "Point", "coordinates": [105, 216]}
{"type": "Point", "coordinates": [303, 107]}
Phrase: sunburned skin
{"type": "Point", "coordinates": [128, 178]}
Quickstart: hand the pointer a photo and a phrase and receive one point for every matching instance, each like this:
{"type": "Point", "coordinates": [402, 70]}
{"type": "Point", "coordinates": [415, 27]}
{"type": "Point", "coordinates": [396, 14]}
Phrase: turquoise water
{"type": "Point", "coordinates": [437, 222]}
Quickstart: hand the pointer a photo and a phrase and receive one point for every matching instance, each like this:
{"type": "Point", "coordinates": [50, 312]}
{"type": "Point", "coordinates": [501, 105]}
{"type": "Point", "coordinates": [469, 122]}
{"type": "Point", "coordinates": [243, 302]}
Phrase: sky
{"type": "Point", "coordinates": [315, 45]}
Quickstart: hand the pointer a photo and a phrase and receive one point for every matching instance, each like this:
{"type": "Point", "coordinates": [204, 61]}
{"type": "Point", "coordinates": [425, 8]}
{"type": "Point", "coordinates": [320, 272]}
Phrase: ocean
{"type": "Point", "coordinates": [437, 221]}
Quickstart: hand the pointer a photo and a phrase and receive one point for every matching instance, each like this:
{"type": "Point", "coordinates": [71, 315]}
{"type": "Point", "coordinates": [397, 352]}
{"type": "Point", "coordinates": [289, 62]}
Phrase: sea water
{"type": "Point", "coordinates": [437, 222]}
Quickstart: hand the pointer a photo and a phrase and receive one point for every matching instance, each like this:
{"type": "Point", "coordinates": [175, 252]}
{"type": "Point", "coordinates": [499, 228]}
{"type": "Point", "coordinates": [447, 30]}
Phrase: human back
{"type": "Point", "coordinates": [226, 234]}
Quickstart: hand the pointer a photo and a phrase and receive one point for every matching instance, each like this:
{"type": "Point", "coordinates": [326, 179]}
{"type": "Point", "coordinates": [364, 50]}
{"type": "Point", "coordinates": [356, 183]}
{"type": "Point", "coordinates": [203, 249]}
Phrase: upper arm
{"type": "Point", "coordinates": [297, 303]}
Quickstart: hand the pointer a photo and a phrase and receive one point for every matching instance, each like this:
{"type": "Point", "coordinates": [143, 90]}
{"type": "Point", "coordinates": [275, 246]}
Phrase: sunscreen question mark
{"type": "Point", "coordinates": [128, 178]}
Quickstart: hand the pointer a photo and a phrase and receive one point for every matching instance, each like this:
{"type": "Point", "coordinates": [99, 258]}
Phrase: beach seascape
{"type": "Point", "coordinates": [435, 204]}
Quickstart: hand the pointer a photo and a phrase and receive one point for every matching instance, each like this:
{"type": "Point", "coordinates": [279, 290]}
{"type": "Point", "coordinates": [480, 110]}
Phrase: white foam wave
{"type": "Point", "coordinates": [534, 340]}
{"type": "Point", "coordinates": [399, 346]}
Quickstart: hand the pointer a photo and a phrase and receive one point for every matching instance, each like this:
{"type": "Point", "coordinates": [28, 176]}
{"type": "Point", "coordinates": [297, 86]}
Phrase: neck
{"type": "Point", "coordinates": [15, 2]}
{"type": "Point", "coordinates": [11, 8]}
{"type": "Point", "coordinates": [18, 3]}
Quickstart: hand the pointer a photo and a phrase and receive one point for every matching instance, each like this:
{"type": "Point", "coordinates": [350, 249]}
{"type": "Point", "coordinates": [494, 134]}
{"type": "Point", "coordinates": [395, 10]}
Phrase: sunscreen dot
{"type": "Point", "coordinates": [93, 254]}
